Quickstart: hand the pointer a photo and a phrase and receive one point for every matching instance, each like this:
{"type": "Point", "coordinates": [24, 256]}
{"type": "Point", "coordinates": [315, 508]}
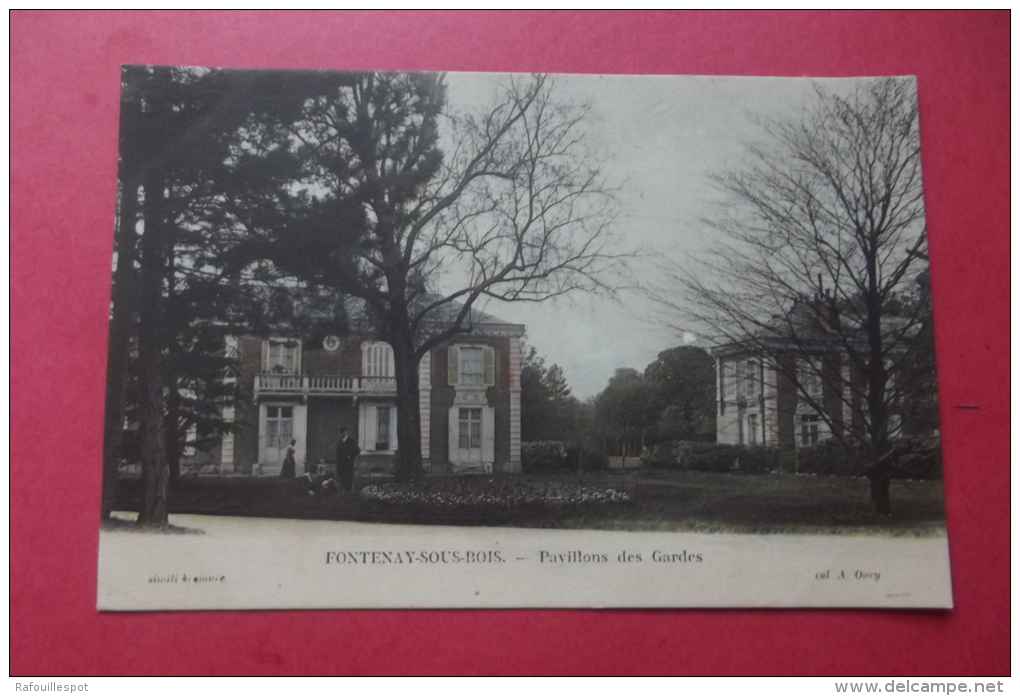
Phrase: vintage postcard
{"type": "Point", "coordinates": [398, 339]}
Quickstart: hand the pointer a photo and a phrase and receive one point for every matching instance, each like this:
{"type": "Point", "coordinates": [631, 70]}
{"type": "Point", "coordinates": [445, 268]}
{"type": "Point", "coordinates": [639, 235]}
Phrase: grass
{"type": "Point", "coordinates": [658, 501]}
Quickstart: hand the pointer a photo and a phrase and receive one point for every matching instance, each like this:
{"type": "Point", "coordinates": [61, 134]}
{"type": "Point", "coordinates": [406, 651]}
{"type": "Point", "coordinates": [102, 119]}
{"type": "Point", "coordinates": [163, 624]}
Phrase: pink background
{"type": "Point", "coordinates": [64, 99]}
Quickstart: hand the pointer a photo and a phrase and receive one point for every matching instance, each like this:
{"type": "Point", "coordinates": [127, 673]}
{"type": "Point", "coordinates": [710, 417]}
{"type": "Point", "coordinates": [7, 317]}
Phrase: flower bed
{"type": "Point", "coordinates": [487, 492]}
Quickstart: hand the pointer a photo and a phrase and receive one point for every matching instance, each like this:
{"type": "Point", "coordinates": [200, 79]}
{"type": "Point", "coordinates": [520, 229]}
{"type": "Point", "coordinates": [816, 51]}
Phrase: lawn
{"type": "Point", "coordinates": [638, 500]}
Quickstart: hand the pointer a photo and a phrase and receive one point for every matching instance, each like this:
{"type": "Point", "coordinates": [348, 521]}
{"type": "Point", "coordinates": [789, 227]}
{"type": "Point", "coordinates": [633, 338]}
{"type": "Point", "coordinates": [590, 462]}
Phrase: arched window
{"type": "Point", "coordinates": [377, 360]}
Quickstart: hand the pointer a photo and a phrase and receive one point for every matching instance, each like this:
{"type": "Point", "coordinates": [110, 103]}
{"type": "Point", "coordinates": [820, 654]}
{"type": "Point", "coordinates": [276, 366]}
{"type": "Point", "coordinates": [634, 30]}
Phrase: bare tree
{"type": "Point", "coordinates": [821, 259]}
{"type": "Point", "coordinates": [421, 213]}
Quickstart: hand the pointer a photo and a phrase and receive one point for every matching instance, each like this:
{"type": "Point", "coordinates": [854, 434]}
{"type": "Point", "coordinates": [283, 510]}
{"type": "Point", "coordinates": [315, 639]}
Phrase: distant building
{"type": "Point", "coordinates": [787, 392]}
{"type": "Point", "coordinates": [308, 390]}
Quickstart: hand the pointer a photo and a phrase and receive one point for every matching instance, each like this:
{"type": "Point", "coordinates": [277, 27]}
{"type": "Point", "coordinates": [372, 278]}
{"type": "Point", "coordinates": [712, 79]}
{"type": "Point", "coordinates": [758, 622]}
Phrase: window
{"type": "Point", "coordinates": [470, 432]}
{"type": "Point", "coordinates": [471, 369]}
{"type": "Point", "coordinates": [382, 421]}
{"type": "Point", "coordinates": [751, 377]}
{"type": "Point", "coordinates": [752, 428]}
{"type": "Point", "coordinates": [747, 377]}
{"type": "Point", "coordinates": [471, 365]}
{"type": "Point", "coordinates": [281, 359]}
{"type": "Point", "coordinates": [727, 382]}
{"type": "Point", "coordinates": [808, 430]}
{"type": "Point", "coordinates": [279, 426]}
{"type": "Point", "coordinates": [378, 360]}
{"type": "Point", "coordinates": [811, 377]}
{"type": "Point", "coordinates": [895, 426]}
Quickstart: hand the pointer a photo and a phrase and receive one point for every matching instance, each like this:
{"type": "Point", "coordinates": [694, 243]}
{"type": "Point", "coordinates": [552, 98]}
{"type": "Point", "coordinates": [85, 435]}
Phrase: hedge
{"type": "Point", "coordinates": [829, 458]}
{"type": "Point", "coordinates": [557, 455]}
{"type": "Point", "coordinates": [713, 456]}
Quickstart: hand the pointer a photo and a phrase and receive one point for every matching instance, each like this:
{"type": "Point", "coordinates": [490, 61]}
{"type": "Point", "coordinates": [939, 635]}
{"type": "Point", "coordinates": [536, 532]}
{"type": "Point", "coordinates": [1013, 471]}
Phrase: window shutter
{"type": "Point", "coordinates": [453, 434]}
{"type": "Point", "coordinates": [371, 428]}
{"type": "Point", "coordinates": [453, 365]}
{"type": "Point", "coordinates": [297, 358]}
{"type": "Point", "coordinates": [265, 356]}
{"type": "Point", "coordinates": [488, 435]}
{"type": "Point", "coordinates": [489, 365]}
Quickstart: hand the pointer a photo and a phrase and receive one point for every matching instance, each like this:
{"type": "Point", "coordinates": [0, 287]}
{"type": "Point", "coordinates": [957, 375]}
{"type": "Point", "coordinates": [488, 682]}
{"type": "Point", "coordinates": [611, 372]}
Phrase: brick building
{"type": "Point", "coordinates": [308, 389]}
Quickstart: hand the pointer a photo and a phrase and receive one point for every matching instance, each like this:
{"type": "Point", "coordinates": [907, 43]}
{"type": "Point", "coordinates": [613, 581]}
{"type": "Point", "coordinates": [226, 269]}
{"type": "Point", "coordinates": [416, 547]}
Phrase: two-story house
{"type": "Point", "coordinates": [307, 390]}
{"type": "Point", "coordinates": [796, 390]}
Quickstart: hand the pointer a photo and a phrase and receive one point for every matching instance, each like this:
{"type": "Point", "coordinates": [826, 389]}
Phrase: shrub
{"type": "Point", "coordinates": [504, 494]}
{"type": "Point", "coordinates": [757, 459]}
{"type": "Point", "coordinates": [747, 459]}
{"type": "Point", "coordinates": [925, 465]}
{"type": "Point", "coordinates": [829, 458]}
{"type": "Point", "coordinates": [713, 456]}
{"type": "Point", "coordinates": [663, 455]}
{"type": "Point", "coordinates": [549, 455]}
{"type": "Point", "coordinates": [580, 457]}
{"type": "Point", "coordinates": [556, 455]}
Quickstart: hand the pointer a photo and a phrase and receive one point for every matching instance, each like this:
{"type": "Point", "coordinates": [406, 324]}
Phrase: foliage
{"type": "Point", "coordinates": [673, 400]}
{"type": "Point", "coordinates": [396, 189]}
{"type": "Point", "coordinates": [560, 456]}
{"type": "Point", "coordinates": [920, 460]}
{"type": "Point", "coordinates": [713, 456]}
{"type": "Point", "coordinates": [923, 464]}
{"type": "Point", "coordinates": [820, 235]}
{"type": "Point", "coordinates": [185, 275]}
{"type": "Point", "coordinates": [627, 407]}
{"type": "Point", "coordinates": [496, 493]}
{"type": "Point", "coordinates": [548, 410]}
{"type": "Point", "coordinates": [543, 456]}
{"type": "Point", "coordinates": [683, 380]}
{"type": "Point", "coordinates": [829, 458]}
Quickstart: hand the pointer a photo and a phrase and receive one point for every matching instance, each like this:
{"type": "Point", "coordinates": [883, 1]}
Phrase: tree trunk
{"type": "Point", "coordinates": [119, 348]}
{"type": "Point", "coordinates": [172, 426]}
{"type": "Point", "coordinates": [880, 484]}
{"type": "Point", "coordinates": [155, 474]}
{"type": "Point", "coordinates": [153, 511]}
{"type": "Point", "coordinates": [409, 460]}
{"type": "Point", "coordinates": [172, 422]}
{"type": "Point", "coordinates": [880, 472]}
{"type": "Point", "coordinates": [880, 477]}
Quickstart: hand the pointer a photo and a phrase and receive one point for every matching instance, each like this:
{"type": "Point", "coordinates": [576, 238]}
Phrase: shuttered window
{"type": "Point", "coordinates": [472, 365]}
{"type": "Point", "coordinates": [471, 370]}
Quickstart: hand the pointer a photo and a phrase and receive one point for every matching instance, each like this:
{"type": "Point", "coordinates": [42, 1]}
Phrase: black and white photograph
{"type": "Point", "coordinates": [409, 339]}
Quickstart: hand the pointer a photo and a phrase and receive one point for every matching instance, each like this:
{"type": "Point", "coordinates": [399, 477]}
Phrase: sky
{"type": "Point", "coordinates": [664, 136]}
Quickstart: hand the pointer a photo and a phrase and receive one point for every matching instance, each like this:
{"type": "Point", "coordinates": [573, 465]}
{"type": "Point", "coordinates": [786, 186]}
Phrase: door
{"type": "Point", "coordinates": [279, 432]}
{"type": "Point", "coordinates": [469, 436]}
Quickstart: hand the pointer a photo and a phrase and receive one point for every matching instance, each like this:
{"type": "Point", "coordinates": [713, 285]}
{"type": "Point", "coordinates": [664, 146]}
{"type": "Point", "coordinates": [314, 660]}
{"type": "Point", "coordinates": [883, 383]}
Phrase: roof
{"type": "Point", "coordinates": [812, 327]}
{"type": "Point", "coordinates": [321, 307]}
{"type": "Point", "coordinates": [479, 321]}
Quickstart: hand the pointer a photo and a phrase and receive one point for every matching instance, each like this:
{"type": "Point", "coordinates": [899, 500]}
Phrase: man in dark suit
{"type": "Point", "coordinates": [346, 450]}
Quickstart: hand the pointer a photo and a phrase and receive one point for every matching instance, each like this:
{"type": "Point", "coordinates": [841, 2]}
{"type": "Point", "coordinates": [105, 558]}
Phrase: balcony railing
{"type": "Point", "coordinates": [323, 384]}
